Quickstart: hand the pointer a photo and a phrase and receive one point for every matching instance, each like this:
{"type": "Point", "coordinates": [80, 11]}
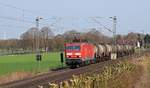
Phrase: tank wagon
{"type": "Point", "coordinates": [80, 54]}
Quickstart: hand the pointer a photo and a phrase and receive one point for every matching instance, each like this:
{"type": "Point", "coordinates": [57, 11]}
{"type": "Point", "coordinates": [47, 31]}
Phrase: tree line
{"type": "Point", "coordinates": [48, 41]}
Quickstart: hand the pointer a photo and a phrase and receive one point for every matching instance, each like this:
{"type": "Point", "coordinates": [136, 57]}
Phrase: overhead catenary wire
{"type": "Point", "coordinates": [19, 20]}
{"type": "Point", "coordinates": [28, 11]}
{"type": "Point", "coordinates": [21, 9]}
{"type": "Point", "coordinates": [12, 26]}
{"type": "Point", "coordinates": [101, 25]}
{"type": "Point", "coordinates": [34, 12]}
{"type": "Point", "coordinates": [47, 21]}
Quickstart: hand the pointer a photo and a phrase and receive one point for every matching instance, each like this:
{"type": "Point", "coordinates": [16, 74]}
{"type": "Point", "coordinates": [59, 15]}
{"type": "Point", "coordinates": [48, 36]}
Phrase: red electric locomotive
{"type": "Point", "coordinates": [77, 54]}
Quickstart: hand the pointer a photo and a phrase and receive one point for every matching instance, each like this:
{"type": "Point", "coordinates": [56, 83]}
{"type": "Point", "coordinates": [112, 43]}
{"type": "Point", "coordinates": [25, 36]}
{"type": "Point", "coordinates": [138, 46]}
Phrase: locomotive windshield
{"type": "Point", "coordinates": [73, 48]}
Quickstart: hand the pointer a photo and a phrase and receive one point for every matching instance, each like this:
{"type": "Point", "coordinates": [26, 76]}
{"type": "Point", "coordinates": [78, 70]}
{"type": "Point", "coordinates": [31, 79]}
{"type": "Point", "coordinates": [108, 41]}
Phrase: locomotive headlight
{"type": "Point", "coordinates": [78, 54]}
{"type": "Point", "coordinates": [69, 54]}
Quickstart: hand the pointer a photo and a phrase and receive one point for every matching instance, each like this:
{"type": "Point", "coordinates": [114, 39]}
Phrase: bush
{"type": "Point", "coordinates": [101, 80]}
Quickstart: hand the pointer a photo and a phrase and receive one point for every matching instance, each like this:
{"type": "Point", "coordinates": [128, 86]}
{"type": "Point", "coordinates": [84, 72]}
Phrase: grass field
{"type": "Point", "coordinates": [28, 63]}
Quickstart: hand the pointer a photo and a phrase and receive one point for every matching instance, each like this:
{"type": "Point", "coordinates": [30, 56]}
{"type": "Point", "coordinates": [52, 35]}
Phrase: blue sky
{"type": "Point", "coordinates": [133, 15]}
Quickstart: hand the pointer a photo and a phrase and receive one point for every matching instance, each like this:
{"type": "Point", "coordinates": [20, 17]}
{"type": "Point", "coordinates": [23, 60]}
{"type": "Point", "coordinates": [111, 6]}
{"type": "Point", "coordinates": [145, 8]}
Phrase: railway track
{"type": "Point", "coordinates": [59, 76]}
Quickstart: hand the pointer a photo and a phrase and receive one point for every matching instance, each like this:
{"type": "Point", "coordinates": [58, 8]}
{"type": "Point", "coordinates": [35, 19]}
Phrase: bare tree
{"type": "Point", "coordinates": [45, 35]}
{"type": "Point", "coordinates": [95, 36]}
{"type": "Point", "coordinates": [29, 38]}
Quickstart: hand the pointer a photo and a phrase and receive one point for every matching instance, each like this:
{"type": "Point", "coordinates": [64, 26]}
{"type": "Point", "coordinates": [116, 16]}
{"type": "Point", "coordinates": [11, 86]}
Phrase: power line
{"type": "Point", "coordinates": [10, 26]}
{"type": "Point", "coordinates": [23, 10]}
{"type": "Point", "coordinates": [19, 20]}
{"type": "Point", "coordinates": [15, 19]}
{"type": "Point", "coordinates": [101, 24]}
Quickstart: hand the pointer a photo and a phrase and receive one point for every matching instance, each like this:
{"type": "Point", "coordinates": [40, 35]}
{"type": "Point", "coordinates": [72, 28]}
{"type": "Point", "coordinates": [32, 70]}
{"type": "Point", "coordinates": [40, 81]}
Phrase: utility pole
{"type": "Point", "coordinates": [4, 35]}
{"type": "Point", "coordinates": [114, 32]}
{"type": "Point", "coordinates": [143, 39]}
{"type": "Point", "coordinates": [38, 53]}
{"type": "Point", "coordinates": [114, 54]}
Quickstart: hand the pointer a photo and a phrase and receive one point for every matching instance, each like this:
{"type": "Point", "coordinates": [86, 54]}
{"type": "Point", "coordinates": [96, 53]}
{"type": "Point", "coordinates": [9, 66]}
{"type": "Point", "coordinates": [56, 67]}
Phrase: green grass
{"type": "Point", "coordinates": [28, 63]}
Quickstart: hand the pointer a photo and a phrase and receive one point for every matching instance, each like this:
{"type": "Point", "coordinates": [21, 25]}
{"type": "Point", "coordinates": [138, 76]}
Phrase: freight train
{"type": "Point", "coordinates": [81, 54]}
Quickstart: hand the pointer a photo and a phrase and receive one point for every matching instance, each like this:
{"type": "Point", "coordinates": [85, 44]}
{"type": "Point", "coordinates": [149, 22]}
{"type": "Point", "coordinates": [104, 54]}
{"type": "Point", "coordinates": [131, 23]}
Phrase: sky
{"type": "Point", "coordinates": [17, 16]}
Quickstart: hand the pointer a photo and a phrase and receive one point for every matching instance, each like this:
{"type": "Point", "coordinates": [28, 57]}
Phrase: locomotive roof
{"type": "Point", "coordinates": [76, 43]}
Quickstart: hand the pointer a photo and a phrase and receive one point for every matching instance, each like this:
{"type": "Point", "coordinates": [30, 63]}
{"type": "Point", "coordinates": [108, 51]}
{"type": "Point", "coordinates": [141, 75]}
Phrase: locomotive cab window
{"type": "Point", "coordinates": [73, 48]}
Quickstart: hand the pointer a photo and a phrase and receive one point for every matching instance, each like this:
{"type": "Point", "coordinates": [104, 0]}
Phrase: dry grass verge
{"type": "Point", "coordinates": [14, 76]}
{"type": "Point", "coordinates": [121, 75]}
{"type": "Point", "coordinates": [144, 81]}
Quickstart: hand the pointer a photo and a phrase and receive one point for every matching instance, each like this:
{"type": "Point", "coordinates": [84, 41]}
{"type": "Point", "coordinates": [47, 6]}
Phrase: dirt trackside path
{"type": "Point", "coordinates": [144, 62]}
